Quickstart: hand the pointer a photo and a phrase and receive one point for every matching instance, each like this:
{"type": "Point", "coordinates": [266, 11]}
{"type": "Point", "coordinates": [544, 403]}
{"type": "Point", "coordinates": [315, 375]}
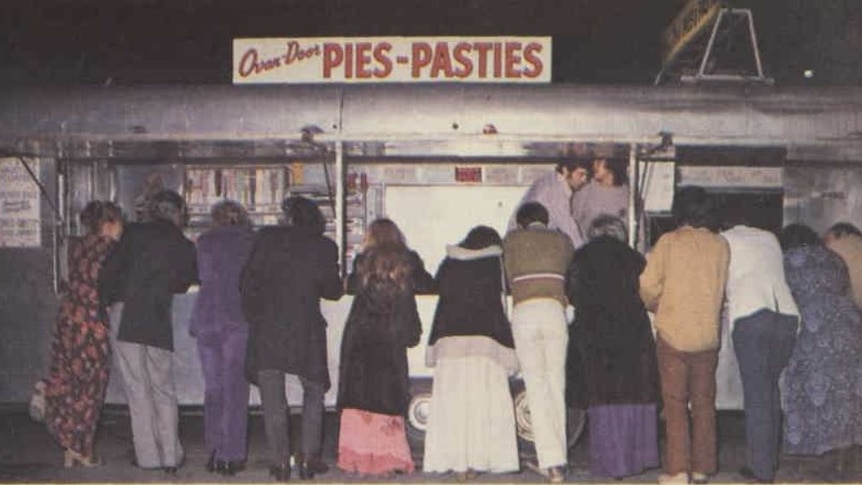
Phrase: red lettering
{"type": "Point", "coordinates": [513, 59]}
{"type": "Point", "coordinates": [460, 54]}
{"type": "Point", "coordinates": [348, 61]}
{"type": "Point", "coordinates": [333, 56]}
{"type": "Point", "coordinates": [248, 62]}
{"type": "Point", "coordinates": [442, 62]}
{"type": "Point", "coordinates": [251, 64]}
{"type": "Point", "coordinates": [498, 60]}
{"type": "Point", "coordinates": [381, 55]}
{"type": "Point", "coordinates": [531, 57]}
{"type": "Point", "coordinates": [295, 52]}
{"type": "Point", "coordinates": [421, 57]}
{"type": "Point", "coordinates": [482, 48]}
{"type": "Point", "coordinates": [363, 59]}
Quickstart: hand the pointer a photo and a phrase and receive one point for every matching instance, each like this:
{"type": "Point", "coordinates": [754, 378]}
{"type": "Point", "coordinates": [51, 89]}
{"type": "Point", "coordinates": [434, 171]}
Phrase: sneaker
{"type": "Point", "coordinates": [699, 478]}
{"type": "Point", "coordinates": [678, 479]}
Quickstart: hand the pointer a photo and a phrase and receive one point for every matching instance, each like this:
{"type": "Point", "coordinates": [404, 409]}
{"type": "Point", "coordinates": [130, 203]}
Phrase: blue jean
{"type": "Point", "coordinates": [222, 357]}
{"type": "Point", "coordinates": [763, 343]}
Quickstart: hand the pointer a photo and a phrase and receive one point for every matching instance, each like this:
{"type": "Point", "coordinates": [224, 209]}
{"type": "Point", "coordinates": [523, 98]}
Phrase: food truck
{"type": "Point", "coordinates": [436, 158]}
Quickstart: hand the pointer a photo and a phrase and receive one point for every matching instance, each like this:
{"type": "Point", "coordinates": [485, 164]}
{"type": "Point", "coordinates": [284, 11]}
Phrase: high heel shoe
{"type": "Point", "coordinates": [72, 458]}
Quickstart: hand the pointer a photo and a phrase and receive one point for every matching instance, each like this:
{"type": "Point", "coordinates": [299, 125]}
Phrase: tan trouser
{"type": "Point", "coordinates": [688, 377]}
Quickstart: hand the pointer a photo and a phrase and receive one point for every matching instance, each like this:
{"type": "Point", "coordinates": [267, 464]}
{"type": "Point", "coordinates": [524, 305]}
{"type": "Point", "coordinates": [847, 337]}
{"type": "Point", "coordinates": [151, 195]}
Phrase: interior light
{"type": "Point", "coordinates": [808, 73]}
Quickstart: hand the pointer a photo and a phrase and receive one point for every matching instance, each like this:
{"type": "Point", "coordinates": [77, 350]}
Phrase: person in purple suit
{"type": "Point", "coordinates": [221, 331]}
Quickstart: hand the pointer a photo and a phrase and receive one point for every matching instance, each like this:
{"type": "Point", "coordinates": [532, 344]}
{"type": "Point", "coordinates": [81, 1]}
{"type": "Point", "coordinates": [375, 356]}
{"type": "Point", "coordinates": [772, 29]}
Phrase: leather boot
{"type": "Point", "coordinates": [309, 466]}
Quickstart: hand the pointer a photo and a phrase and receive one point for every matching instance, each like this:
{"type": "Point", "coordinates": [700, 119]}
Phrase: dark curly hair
{"type": "Point", "coordinates": [98, 212]}
{"type": "Point", "coordinates": [796, 236]}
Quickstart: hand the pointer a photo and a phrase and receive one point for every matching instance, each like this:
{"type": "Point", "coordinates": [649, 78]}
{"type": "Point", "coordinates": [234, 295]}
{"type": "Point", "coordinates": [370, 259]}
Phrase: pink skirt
{"type": "Point", "coordinates": [373, 444]}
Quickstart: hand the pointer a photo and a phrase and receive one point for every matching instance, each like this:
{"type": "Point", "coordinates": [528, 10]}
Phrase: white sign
{"type": "Point", "coordinates": [20, 225]}
{"type": "Point", "coordinates": [392, 59]}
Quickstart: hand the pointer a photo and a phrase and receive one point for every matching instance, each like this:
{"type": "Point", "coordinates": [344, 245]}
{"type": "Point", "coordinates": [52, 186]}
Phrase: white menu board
{"type": "Point", "coordinates": [20, 226]}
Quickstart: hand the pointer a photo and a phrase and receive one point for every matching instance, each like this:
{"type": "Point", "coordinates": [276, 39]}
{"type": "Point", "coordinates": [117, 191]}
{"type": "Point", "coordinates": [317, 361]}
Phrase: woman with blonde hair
{"type": "Point", "coordinates": [373, 381]}
{"type": "Point", "coordinates": [221, 331]}
{"type": "Point", "coordinates": [75, 388]}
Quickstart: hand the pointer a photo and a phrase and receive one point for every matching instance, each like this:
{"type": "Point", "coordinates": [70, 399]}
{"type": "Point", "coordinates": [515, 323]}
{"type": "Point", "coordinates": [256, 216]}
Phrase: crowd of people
{"type": "Point", "coordinates": [792, 302]}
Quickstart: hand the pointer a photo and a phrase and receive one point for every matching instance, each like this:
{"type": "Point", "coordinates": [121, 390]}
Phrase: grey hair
{"type": "Point", "coordinates": [607, 225]}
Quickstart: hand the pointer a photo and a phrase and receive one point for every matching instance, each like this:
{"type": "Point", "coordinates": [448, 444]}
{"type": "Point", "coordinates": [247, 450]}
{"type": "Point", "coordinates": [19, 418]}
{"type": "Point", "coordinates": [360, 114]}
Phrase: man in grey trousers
{"type": "Point", "coordinates": [152, 261]}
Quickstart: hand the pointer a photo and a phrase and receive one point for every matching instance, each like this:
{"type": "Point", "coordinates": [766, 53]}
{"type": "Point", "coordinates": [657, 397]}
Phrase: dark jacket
{"type": "Point", "coordinates": [152, 261]}
{"type": "Point", "coordinates": [611, 356]}
{"type": "Point", "coordinates": [470, 283]}
{"type": "Point", "coordinates": [222, 252]}
{"type": "Point", "coordinates": [373, 373]}
{"type": "Point", "coordinates": [289, 270]}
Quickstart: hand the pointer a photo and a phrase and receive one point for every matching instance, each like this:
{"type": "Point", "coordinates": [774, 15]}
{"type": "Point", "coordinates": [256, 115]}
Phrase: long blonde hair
{"type": "Point", "coordinates": [385, 266]}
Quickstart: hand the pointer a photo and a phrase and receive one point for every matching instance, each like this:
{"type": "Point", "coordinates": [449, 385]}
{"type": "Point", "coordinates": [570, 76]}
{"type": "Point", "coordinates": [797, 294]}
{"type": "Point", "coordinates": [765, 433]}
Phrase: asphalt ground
{"type": "Point", "coordinates": [28, 454]}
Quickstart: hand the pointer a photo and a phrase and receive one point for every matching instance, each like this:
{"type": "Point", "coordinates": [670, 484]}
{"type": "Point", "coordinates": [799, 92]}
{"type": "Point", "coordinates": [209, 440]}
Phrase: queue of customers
{"type": "Point", "coordinates": [257, 318]}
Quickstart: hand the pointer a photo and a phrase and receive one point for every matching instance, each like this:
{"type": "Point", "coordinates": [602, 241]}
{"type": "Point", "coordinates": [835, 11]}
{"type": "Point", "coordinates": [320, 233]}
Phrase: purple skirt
{"type": "Point", "coordinates": [623, 439]}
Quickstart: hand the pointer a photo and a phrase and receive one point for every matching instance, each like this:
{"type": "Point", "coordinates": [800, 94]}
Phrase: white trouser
{"type": "Point", "coordinates": [541, 338]}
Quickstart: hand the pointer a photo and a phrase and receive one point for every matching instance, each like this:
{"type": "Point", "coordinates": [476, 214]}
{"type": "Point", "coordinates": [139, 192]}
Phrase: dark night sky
{"type": "Point", "coordinates": [595, 41]}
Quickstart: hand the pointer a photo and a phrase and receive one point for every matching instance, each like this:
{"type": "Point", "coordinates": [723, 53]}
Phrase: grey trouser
{"type": "Point", "coordinates": [148, 379]}
{"type": "Point", "coordinates": [277, 421]}
{"type": "Point", "coordinates": [763, 343]}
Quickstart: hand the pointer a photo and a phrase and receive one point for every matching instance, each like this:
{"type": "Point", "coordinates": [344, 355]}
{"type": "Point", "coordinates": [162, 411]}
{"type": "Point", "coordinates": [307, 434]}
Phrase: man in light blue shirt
{"type": "Point", "coordinates": [554, 191]}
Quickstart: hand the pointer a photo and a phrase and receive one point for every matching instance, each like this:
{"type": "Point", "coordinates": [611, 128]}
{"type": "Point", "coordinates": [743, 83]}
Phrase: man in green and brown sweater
{"type": "Point", "coordinates": [536, 259]}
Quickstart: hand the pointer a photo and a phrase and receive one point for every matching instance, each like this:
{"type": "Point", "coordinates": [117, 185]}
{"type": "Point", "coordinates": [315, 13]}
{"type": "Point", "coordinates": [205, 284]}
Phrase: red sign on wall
{"type": "Point", "coordinates": [468, 174]}
{"type": "Point", "coordinates": [392, 59]}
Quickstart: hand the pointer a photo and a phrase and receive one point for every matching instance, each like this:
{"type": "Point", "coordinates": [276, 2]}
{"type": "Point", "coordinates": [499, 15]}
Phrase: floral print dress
{"type": "Point", "coordinates": [823, 381]}
{"type": "Point", "coordinates": [80, 352]}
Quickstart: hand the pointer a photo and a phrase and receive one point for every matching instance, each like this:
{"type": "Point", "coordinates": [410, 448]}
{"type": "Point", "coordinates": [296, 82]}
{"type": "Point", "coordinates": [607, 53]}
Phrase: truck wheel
{"type": "Point", "coordinates": [418, 412]}
{"type": "Point", "coordinates": [576, 420]}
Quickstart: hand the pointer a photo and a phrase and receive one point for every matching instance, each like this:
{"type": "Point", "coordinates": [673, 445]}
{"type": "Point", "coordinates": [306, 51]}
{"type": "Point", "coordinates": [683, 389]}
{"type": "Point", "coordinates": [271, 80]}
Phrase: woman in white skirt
{"type": "Point", "coordinates": [471, 425]}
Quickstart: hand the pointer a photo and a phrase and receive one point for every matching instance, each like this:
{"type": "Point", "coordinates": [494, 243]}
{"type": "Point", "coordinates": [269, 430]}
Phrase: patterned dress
{"type": "Point", "coordinates": [823, 380]}
{"type": "Point", "coordinates": [75, 388]}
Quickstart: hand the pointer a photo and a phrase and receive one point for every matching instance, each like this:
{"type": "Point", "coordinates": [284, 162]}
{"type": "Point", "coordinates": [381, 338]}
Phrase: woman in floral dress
{"type": "Point", "coordinates": [80, 352]}
{"type": "Point", "coordinates": [823, 380]}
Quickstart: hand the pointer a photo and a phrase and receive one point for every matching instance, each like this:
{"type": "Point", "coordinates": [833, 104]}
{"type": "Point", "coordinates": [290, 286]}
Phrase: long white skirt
{"type": "Point", "coordinates": [472, 421]}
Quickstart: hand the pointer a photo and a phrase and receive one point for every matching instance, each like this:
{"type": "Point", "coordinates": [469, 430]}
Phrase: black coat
{"type": "Point", "coordinates": [288, 272]}
{"type": "Point", "coordinates": [470, 284]}
{"type": "Point", "coordinates": [152, 261]}
{"type": "Point", "coordinates": [373, 374]}
{"type": "Point", "coordinates": [611, 355]}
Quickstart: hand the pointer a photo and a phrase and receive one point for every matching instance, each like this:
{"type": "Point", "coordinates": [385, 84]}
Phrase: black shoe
{"type": "Point", "coordinates": [170, 470]}
{"type": "Point", "coordinates": [749, 475]}
{"type": "Point", "coordinates": [309, 467]}
{"type": "Point", "coordinates": [280, 473]}
{"type": "Point", "coordinates": [211, 463]}
{"type": "Point", "coordinates": [230, 468]}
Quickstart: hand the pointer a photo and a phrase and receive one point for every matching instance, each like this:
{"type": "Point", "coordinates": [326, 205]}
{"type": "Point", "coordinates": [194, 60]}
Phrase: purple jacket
{"type": "Point", "coordinates": [222, 252]}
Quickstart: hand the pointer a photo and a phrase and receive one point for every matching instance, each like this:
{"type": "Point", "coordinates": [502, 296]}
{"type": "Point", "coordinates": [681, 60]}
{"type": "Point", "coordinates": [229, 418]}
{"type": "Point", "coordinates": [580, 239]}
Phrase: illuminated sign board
{"type": "Point", "coordinates": [392, 59]}
{"type": "Point", "coordinates": [694, 17]}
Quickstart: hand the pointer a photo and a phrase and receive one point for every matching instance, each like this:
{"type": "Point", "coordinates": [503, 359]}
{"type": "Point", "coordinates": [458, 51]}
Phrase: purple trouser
{"type": "Point", "coordinates": [222, 355]}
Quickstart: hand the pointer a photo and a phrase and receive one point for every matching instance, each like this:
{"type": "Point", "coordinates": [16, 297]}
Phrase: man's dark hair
{"type": "Point", "coordinates": [798, 235]}
{"type": "Point", "coordinates": [571, 164]}
{"type": "Point", "coordinates": [691, 205]}
{"type": "Point", "coordinates": [167, 205]}
{"type": "Point", "coordinates": [735, 212]}
{"type": "Point", "coordinates": [531, 212]}
{"type": "Point", "coordinates": [302, 212]}
{"type": "Point", "coordinates": [842, 229]}
{"type": "Point", "coordinates": [619, 167]}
